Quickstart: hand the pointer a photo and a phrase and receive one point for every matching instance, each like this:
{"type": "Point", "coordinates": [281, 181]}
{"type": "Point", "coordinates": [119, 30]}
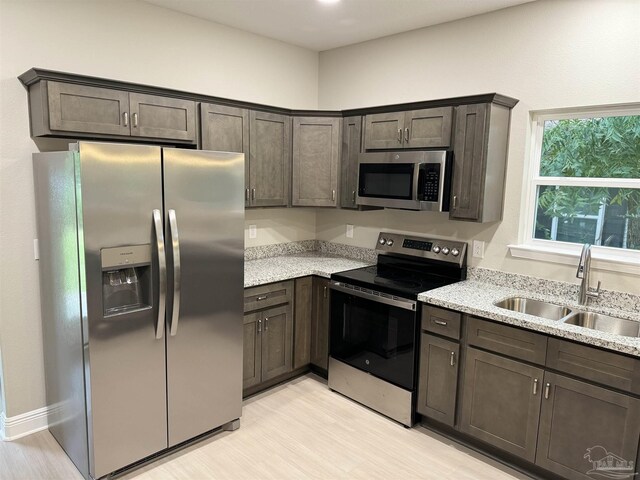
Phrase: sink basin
{"type": "Point", "coordinates": [537, 308]}
{"type": "Point", "coordinates": [605, 323]}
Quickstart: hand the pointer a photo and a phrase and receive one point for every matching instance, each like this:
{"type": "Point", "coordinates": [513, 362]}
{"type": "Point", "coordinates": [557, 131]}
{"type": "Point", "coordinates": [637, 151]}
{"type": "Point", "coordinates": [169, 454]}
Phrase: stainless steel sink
{"type": "Point", "coordinates": [605, 323]}
{"type": "Point", "coordinates": [536, 308]}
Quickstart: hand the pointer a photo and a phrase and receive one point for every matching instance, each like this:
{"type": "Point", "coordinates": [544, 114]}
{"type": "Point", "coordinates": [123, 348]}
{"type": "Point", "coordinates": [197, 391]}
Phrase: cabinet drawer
{"type": "Point", "coordinates": [509, 341]}
{"type": "Point", "coordinates": [256, 298]}
{"type": "Point", "coordinates": [441, 321]}
{"type": "Point", "coordinates": [607, 368]}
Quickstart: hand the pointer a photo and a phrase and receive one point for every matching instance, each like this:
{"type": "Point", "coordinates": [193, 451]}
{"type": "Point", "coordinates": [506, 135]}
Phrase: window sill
{"type": "Point", "coordinates": [602, 258]}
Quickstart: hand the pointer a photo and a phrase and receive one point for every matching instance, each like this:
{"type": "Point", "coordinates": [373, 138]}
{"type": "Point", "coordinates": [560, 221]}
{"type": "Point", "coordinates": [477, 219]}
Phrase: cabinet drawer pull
{"type": "Point", "coordinates": [547, 387]}
{"type": "Point", "coordinates": [453, 358]}
{"type": "Point", "coordinates": [262, 297]}
{"type": "Point", "coordinates": [406, 135]}
{"type": "Point", "coordinates": [126, 119]}
{"type": "Point", "coordinates": [399, 135]}
{"type": "Point", "coordinates": [440, 322]}
{"type": "Point", "coordinates": [353, 194]}
{"type": "Point", "coordinates": [535, 386]}
{"type": "Point", "coordinates": [134, 117]}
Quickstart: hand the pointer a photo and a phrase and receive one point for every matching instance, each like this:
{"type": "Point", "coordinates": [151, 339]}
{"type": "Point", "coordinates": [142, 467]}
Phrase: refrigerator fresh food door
{"type": "Point", "coordinates": [204, 219]}
{"type": "Point", "coordinates": [118, 187]}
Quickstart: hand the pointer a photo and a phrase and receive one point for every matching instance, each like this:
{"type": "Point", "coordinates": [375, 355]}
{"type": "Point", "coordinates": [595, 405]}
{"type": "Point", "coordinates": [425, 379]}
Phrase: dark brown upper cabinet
{"type": "Point", "coordinates": [75, 110]}
{"type": "Point", "coordinates": [426, 128]}
{"type": "Point", "coordinates": [316, 157]}
{"type": "Point", "coordinates": [226, 129]}
{"type": "Point", "coordinates": [351, 147]}
{"type": "Point", "coordinates": [269, 159]}
{"type": "Point", "coordinates": [480, 156]}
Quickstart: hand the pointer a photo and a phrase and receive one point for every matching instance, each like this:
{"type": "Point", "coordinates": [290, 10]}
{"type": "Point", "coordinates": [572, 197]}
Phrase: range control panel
{"type": "Point", "coordinates": [444, 250]}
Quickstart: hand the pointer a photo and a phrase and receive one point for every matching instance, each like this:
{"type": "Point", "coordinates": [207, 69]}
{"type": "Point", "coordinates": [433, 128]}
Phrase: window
{"type": "Point", "coordinates": [584, 184]}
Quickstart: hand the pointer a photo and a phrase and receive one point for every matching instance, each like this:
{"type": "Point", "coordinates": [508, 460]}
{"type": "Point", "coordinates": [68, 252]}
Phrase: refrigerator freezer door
{"type": "Point", "coordinates": [119, 187]}
{"type": "Point", "coordinates": [204, 340]}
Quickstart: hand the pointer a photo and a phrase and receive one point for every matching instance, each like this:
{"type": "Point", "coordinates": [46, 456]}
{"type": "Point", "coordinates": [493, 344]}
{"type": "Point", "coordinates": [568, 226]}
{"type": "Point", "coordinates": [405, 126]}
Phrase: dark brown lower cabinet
{"type": "Point", "coordinates": [438, 381]}
{"type": "Point", "coordinates": [501, 402]}
{"type": "Point", "coordinates": [302, 322]}
{"type": "Point", "coordinates": [268, 345]}
{"type": "Point", "coordinates": [582, 423]}
{"type": "Point", "coordinates": [320, 323]}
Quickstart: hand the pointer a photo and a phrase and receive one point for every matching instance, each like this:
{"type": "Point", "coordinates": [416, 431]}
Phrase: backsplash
{"type": "Point", "coordinates": [330, 248]}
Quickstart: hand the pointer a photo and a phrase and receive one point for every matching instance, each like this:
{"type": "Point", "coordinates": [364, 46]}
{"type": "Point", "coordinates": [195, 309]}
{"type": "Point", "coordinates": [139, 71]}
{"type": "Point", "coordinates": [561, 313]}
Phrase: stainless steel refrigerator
{"type": "Point", "coordinates": [141, 273]}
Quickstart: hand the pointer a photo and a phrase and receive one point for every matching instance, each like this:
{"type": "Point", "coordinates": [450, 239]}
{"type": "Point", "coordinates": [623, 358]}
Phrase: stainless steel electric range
{"type": "Point", "coordinates": [375, 320]}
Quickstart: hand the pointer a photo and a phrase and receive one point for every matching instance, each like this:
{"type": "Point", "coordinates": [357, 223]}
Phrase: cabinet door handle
{"type": "Point", "coordinates": [455, 201]}
{"type": "Point", "coordinates": [324, 292]}
{"type": "Point", "coordinates": [547, 387]}
{"type": "Point", "coordinates": [253, 194]}
{"type": "Point", "coordinates": [406, 135]}
{"type": "Point", "coordinates": [333, 195]}
{"type": "Point", "coordinates": [134, 118]}
{"type": "Point", "coordinates": [353, 195]}
{"type": "Point", "coordinates": [535, 386]}
{"type": "Point", "coordinates": [126, 118]}
{"type": "Point", "coordinates": [259, 326]}
{"type": "Point", "coordinates": [266, 323]}
{"type": "Point", "coordinates": [246, 194]}
{"type": "Point", "coordinates": [440, 322]}
{"type": "Point", "coordinates": [453, 358]}
{"type": "Point", "coordinates": [262, 297]}
{"type": "Point", "coordinates": [399, 135]}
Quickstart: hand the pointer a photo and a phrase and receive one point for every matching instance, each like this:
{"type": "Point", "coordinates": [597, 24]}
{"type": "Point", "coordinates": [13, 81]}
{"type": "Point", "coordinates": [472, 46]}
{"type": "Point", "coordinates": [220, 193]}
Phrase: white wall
{"type": "Point", "coordinates": [547, 54]}
{"type": "Point", "coordinates": [280, 225]}
{"type": "Point", "coordinates": [124, 40]}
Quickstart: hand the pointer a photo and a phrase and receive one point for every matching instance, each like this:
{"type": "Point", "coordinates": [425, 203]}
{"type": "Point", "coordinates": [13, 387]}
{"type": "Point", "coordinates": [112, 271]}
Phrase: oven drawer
{"type": "Point", "coordinates": [441, 321]}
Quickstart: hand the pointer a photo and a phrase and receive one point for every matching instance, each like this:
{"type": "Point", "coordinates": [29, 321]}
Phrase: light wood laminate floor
{"type": "Point", "coordinates": [295, 431]}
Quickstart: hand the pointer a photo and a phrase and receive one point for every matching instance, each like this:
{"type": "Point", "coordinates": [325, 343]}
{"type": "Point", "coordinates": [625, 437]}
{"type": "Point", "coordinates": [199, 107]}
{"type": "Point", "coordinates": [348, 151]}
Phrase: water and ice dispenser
{"type": "Point", "coordinates": [126, 279]}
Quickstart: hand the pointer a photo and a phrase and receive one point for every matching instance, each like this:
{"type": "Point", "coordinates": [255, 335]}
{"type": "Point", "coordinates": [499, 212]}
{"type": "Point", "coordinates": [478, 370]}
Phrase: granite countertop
{"type": "Point", "coordinates": [287, 267]}
{"type": "Point", "coordinates": [478, 297]}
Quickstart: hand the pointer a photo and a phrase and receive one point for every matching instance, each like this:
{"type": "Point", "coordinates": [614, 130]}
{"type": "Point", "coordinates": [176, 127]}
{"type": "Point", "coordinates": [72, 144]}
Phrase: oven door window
{"type": "Point", "coordinates": [374, 337]}
{"type": "Point", "coordinates": [384, 180]}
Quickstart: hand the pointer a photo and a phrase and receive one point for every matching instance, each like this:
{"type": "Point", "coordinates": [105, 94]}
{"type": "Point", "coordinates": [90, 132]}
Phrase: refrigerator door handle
{"type": "Point", "coordinates": [175, 245]}
{"type": "Point", "coordinates": [162, 273]}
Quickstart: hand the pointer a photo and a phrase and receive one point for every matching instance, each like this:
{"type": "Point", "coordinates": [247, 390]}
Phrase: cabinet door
{"type": "Point", "coordinates": [428, 128]}
{"type": "Point", "coordinates": [153, 116]}
{"type": "Point", "coordinates": [320, 323]}
{"type": "Point", "coordinates": [277, 341]}
{"type": "Point", "coordinates": [269, 159]}
{"type": "Point", "coordinates": [79, 108]}
{"type": "Point", "coordinates": [501, 402]}
{"type": "Point", "coordinates": [252, 348]}
{"type": "Point", "coordinates": [316, 154]}
{"type": "Point", "coordinates": [469, 162]}
{"type": "Point", "coordinates": [351, 147]}
{"type": "Point", "coordinates": [226, 129]}
{"type": "Point", "coordinates": [581, 424]}
{"type": "Point", "coordinates": [438, 382]}
{"type": "Point", "coordinates": [384, 130]}
{"type": "Point", "coordinates": [302, 322]}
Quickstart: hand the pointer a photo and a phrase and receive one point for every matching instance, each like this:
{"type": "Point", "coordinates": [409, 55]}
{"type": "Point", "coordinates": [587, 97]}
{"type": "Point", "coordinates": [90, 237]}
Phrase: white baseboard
{"type": "Point", "coordinates": [12, 428]}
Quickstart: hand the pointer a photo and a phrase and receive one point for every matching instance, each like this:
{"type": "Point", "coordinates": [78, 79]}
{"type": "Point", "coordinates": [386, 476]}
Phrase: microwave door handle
{"type": "Point", "coordinates": [416, 183]}
{"type": "Point", "coordinates": [162, 273]}
{"type": "Point", "coordinates": [175, 245]}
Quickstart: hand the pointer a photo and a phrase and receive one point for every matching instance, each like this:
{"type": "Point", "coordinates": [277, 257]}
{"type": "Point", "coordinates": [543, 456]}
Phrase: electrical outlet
{"type": "Point", "coordinates": [349, 231]}
{"type": "Point", "coordinates": [478, 249]}
{"type": "Point", "coordinates": [253, 231]}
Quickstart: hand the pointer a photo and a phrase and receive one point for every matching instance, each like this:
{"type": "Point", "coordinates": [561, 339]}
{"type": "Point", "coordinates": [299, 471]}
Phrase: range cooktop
{"type": "Point", "coordinates": [409, 265]}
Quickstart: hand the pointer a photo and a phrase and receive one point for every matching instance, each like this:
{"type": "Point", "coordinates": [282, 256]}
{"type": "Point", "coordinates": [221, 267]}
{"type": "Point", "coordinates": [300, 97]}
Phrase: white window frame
{"type": "Point", "coordinates": [605, 258]}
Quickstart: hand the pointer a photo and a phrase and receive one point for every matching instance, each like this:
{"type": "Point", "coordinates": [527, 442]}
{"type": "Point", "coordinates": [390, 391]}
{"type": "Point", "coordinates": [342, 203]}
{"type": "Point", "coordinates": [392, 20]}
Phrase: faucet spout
{"type": "Point", "coordinates": [584, 272]}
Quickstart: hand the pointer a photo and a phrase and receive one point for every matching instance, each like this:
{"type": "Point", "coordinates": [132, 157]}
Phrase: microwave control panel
{"type": "Point", "coordinates": [430, 184]}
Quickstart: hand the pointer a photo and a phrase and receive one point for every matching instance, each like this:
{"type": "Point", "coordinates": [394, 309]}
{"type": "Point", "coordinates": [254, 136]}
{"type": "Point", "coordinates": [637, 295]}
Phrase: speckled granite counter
{"type": "Point", "coordinates": [478, 297]}
{"type": "Point", "coordinates": [286, 267]}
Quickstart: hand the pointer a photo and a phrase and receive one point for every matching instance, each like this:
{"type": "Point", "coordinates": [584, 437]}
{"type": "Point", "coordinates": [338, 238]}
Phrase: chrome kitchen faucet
{"type": "Point", "coordinates": [584, 271]}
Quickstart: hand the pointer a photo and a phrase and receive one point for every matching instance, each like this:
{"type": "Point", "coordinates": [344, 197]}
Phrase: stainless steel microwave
{"type": "Point", "coordinates": [416, 180]}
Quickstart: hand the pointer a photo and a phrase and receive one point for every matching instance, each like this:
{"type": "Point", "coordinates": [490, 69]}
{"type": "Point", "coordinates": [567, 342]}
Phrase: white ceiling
{"type": "Point", "coordinates": [322, 26]}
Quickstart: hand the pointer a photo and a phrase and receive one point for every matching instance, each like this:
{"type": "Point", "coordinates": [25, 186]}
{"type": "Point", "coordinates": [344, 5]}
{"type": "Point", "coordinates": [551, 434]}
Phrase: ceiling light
{"type": "Point", "coordinates": [328, 1]}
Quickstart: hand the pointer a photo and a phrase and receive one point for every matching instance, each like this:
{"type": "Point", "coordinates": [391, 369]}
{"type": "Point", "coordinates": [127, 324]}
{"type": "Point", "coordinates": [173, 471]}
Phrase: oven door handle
{"type": "Point", "coordinates": [404, 303]}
